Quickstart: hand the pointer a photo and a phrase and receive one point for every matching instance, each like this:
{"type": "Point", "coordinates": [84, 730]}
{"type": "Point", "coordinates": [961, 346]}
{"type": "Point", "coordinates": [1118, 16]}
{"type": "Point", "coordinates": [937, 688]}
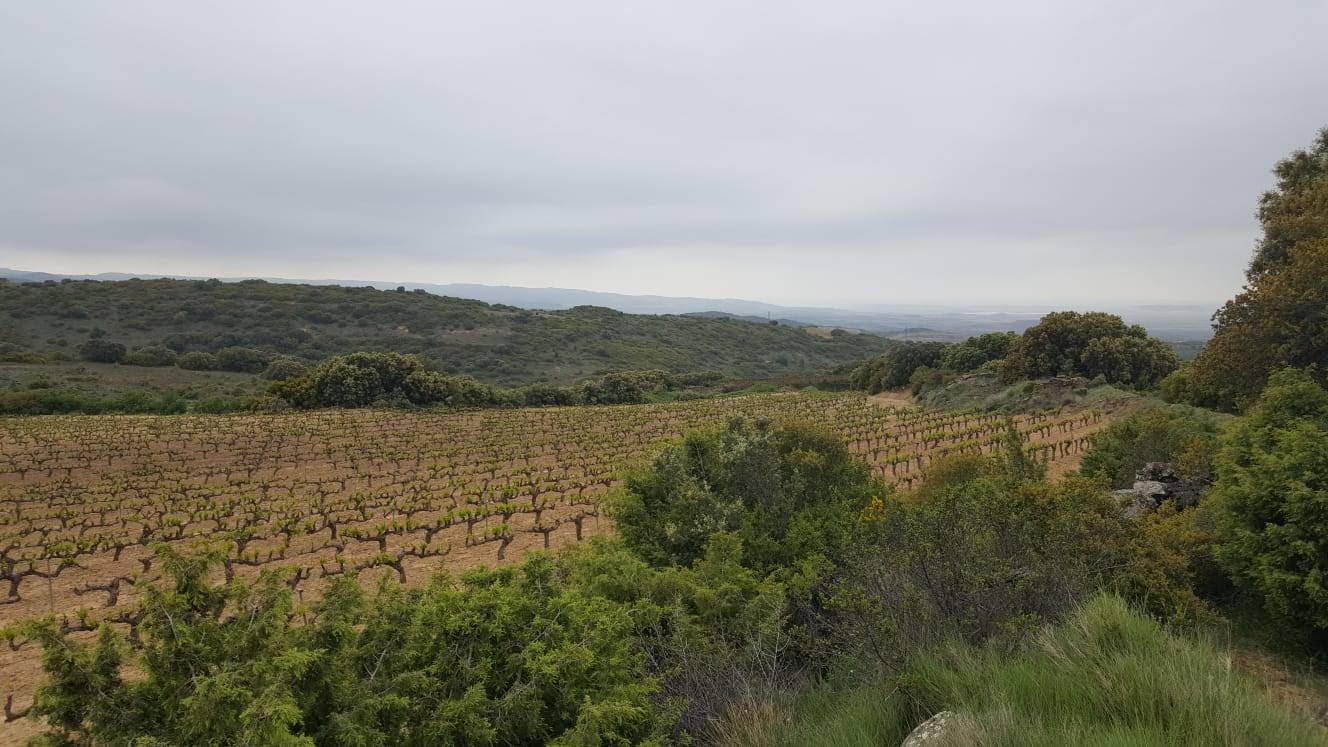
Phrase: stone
{"type": "Point", "coordinates": [1133, 503]}
{"type": "Point", "coordinates": [1157, 482]}
{"type": "Point", "coordinates": [930, 730]}
{"type": "Point", "coordinates": [1151, 488]}
{"type": "Point", "coordinates": [1158, 472]}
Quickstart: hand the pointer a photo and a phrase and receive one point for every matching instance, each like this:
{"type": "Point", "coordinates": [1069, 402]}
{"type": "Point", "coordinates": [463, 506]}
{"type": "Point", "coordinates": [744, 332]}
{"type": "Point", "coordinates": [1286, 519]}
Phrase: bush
{"type": "Point", "coordinates": [622, 387]}
{"type": "Point", "coordinates": [1158, 434]}
{"type": "Point", "coordinates": [1183, 387]}
{"type": "Point", "coordinates": [543, 395]}
{"type": "Point", "coordinates": [1272, 500]}
{"type": "Point", "coordinates": [925, 380]}
{"type": "Point", "coordinates": [101, 351]}
{"type": "Point", "coordinates": [521, 655]}
{"type": "Point", "coordinates": [198, 361]}
{"type": "Point", "coordinates": [242, 360]}
{"type": "Point", "coordinates": [285, 367]}
{"type": "Point", "coordinates": [381, 379]}
{"type": "Point", "coordinates": [988, 549]}
{"type": "Point", "coordinates": [152, 355]}
{"type": "Point", "coordinates": [980, 558]}
{"type": "Point", "coordinates": [464, 391]}
{"type": "Point", "coordinates": [788, 492]}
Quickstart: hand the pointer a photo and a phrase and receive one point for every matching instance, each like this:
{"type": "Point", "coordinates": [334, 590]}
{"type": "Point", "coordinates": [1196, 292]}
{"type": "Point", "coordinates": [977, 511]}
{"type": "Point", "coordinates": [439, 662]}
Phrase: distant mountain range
{"type": "Point", "coordinates": [1172, 322]}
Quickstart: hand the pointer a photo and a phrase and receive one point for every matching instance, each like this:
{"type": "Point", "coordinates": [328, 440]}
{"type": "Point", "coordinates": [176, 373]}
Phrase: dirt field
{"type": "Point", "coordinates": [383, 493]}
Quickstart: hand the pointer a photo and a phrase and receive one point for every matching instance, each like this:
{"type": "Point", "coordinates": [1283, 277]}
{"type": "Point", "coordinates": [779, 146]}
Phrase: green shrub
{"type": "Point", "coordinates": [789, 493]}
{"type": "Point", "coordinates": [198, 361]}
{"type": "Point", "coordinates": [622, 387]}
{"type": "Point", "coordinates": [544, 395]}
{"type": "Point", "coordinates": [520, 655]}
{"type": "Point", "coordinates": [980, 557]}
{"type": "Point", "coordinates": [381, 379]}
{"type": "Point", "coordinates": [242, 360]}
{"type": "Point", "coordinates": [1183, 387]}
{"type": "Point", "coordinates": [926, 379]}
{"type": "Point", "coordinates": [1272, 500]}
{"type": "Point", "coordinates": [101, 351]}
{"type": "Point", "coordinates": [285, 367]}
{"type": "Point", "coordinates": [152, 355]}
{"type": "Point", "coordinates": [1157, 434]}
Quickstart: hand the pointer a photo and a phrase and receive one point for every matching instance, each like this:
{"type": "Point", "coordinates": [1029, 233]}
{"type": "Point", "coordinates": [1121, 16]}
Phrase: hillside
{"type": "Point", "coordinates": [496, 344]}
{"type": "Point", "coordinates": [1188, 323]}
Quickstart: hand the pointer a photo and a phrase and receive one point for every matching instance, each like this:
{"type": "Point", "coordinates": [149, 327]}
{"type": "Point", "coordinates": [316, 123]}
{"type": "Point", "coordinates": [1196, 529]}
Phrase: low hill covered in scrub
{"type": "Point", "coordinates": [158, 322]}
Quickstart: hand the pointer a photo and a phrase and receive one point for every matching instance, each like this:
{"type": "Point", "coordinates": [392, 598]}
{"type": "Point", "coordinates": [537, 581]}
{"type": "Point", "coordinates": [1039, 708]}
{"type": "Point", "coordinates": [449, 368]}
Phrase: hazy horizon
{"type": "Point", "coordinates": [1028, 306]}
{"type": "Point", "coordinates": [836, 155]}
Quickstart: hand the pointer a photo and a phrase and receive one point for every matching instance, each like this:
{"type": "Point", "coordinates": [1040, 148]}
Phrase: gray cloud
{"type": "Point", "coordinates": [814, 152]}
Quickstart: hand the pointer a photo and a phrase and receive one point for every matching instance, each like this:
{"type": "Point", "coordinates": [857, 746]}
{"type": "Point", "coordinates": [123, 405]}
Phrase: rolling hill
{"type": "Point", "coordinates": [495, 343]}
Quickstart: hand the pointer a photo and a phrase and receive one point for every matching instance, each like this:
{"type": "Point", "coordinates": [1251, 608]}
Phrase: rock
{"type": "Point", "coordinates": [1151, 488]}
{"type": "Point", "coordinates": [930, 730]}
{"type": "Point", "coordinates": [1159, 472]}
{"type": "Point", "coordinates": [1157, 482]}
{"type": "Point", "coordinates": [1134, 504]}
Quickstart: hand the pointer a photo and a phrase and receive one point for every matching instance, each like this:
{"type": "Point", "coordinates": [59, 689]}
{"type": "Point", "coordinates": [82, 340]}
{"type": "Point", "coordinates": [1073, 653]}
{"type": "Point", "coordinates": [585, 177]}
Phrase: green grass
{"type": "Point", "coordinates": [1106, 676]}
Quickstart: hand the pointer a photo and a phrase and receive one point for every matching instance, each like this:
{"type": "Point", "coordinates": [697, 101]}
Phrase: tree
{"type": "Point", "coordinates": [101, 351]}
{"type": "Point", "coordinates": [976, 351]}
{"type": "Point", "coordinates": [1066, 343]}
{"type": "Point", "coordinates": [1296, 210]}
{"type": "Point", "coordinates": [341, 383]}
{"type": "Point", "coordinates": [894, 369]}
{"type": "Point", "coordinates": [1141, 362]}
{"type": "Point", "coordinates": [1272, 499]}
{"type": "Point", "coordinates": [1280, 319]}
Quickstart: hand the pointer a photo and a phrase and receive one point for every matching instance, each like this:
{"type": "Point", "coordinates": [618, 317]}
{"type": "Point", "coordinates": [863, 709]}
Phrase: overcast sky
{"type": "Point", "coordinates": [810, 152]}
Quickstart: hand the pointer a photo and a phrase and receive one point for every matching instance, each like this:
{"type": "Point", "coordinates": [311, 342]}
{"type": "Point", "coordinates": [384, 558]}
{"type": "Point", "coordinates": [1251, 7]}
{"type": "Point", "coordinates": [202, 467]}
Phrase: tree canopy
{"type": "Point", "coordinates": [895, 369]}
{"type": "Point", "coordinates": [1090, 344]}
{"type": "Point", "coordinates": [1280, 319]}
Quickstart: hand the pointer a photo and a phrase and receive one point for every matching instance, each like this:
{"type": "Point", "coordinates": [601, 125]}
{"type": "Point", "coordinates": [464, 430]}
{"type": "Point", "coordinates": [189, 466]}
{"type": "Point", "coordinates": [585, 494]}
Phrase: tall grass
{"type": "Point", "coordinates": [1105, 676]}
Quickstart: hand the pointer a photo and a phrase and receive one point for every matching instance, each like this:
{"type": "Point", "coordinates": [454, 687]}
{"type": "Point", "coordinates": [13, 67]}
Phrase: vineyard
{"type": "Point", "coordinates": [84, 500]}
